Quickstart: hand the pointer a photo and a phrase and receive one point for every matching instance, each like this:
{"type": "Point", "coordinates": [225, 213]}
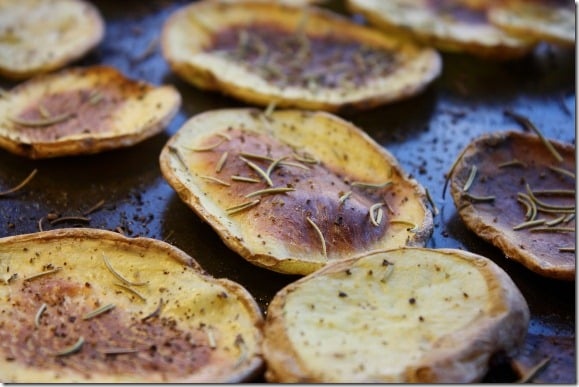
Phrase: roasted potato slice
{"type": "Point", "coordinates": [82, 111]}
{"type": "Point", "coordinates": [293, 190]}
{"type": "Point", "coordinates": [512, 191]}
{"type": "Point", "coordinates": [552, 21]}
{"type": "Point", "coordinates": [453, 25]}
{"type": "Point", "coordinates": [39, 36]}
{"type": "Point", "coordinates": [87, 305]}
{"type": "Point", "coordinates": [310, 58]}
{"type": "Point", "coordinates": [404, 315]}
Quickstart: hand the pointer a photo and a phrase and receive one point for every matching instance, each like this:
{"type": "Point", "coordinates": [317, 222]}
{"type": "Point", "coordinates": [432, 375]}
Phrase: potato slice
{"type": "Point", "coordinates": [38, 36]}
{"type": "Point", "coordinates": [82, 111]}
{"type": "Point", "coordinates": [404, 315]}
{"type": "Point", "coordinates": [87, 305]}
{"type": "Point", "coordinates": [455, 25]}
{"type": "Point", "coordinates": [521, 199]}
{"type": "Point", "coordinates": [552, 21]}
{"type": "Point", "coordinates": [293, 190]}
{"type": "Point", "coordinates": [310, 58]}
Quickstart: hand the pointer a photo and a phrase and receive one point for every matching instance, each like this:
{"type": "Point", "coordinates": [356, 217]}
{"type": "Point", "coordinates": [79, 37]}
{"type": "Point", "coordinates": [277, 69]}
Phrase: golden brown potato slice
{"type": "Point", "coordinates": [513, 192]}
{"type": "Point", "coordinates": [38, 36]}
{"type": "Point", "coordinates": [86, 305]}
{"type": "Point", "coordinates": [549, 20]}
{"type": "Point", "coordinates": [293, 190]}
{"type": "Point", "coordinates": [82, 111]}
{"type": "Point", "coordinates": [261, 52]}
{"type": "Point", "coordinates": [404, 315]}
{"type": "Point", "coordinates": [454, 25]}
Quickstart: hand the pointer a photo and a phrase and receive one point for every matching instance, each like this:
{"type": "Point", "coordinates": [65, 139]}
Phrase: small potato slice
{"type": "Point", "coordinates": [293, 190]}
{"type": "Point", "coordinates": [550, 20]}
{"type": "Point", "coordinates": [87, 305]}
{"type": "Point", "coordinates": [259, 52]}
{"type": "Point", "coordinates": [82, 111]}
{"type": "Point", "coordinates": [405, 315]}
{"type": "Point", "coordinates": [455, 25]}
{"type": "Point", "coordinates": [39, 36]}
{"type": "Point", "coordinates": [521, 199]}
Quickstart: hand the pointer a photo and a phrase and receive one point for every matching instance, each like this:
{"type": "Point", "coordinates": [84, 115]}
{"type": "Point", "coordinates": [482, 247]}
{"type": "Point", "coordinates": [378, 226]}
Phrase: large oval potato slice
{"type": "Point", "coordinates": [404, 315]}
{"type": "Point", "coordinates": [38, 36]}
{"type": "Point", "coordinates": [520, 198]}
{"type": "Point", "coordinates": [259, 52]}
{"type": "Point", "coordinates": [86, 305]}
{"type": "Point", "coordinates": [82, 111]}
{"type": "Point", "coordinates": [552, 21]}
{"type": "Point", "coordinates": [293, 190]}
{"type": "Point", "coordinates": [454, 25]}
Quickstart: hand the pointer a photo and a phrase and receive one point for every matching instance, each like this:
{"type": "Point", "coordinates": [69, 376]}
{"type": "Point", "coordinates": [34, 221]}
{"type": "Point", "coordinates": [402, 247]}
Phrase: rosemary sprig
{"type": "Point", "coordinates": [435, 210]}
{"type": "Point", "coordinates": [512, 163]}
{"type": "Point", "coordinates": [535, 370]}
{"type": "Point", "coordinates": [20, 185]}
{"type": "Point", "coordinates": [119, 276]}
{"type": "Point", "coordinates": [221, 162]}
{"type": "Point", "coordinates": [529, 125]}
{"type": "Point", "coordinates": [215, 180]}
{"type": "Point", "coordinates": [94, 208]}
{"type": "Point", "coordinates": [320, 235]}
{"type": "Point", "coordinates": [133, 291]}
{"type": "Point", "coordinates": [543, 204]}
{"type": "Point", "coordinates": [71, 349]}
{"type": "Point", "coordinates": [156, 312]}
{"type": "Point", "coordinates": [210, 147]}
{"type": "Point", "coordinates": [524, 199]}
{"type": "Point", "coordinates": [470, 179]}
{"type": "Point", "coordinates": [259, 171]}
{"type": "Point", "coordinates": [375, 212]}
{"type": "Point", "coordinates": [562, 171]}
{"type": "Point", "coordinates": [39, 315]}
{"type": "Point", "coordinates": [42, 274]}
{"type": "Point", "coordinates": [70, 218]}
{"type": "Point", "coordinates": [244, 179]}
{"type": "Point", "coordinates": [554, 192]}
{"type": "Point", "coordinates": [531, 223]}
{"type": "Point", "coordinates": [269, 191]}
{"type": "Point", "coordinates": [474, 198]}
{"type": "Point", "coordinates": [344, 197]}
{"type": "Point", "coordinates": [43, 122]}
{"type": "Point", "coordinates": [556, 221]}
{"type": "Point", "coordinates": [98, 311]}
{"type": "Point", "coordinates": [370, 185]}
{"type": "Point", "coordinates": [241, 207]}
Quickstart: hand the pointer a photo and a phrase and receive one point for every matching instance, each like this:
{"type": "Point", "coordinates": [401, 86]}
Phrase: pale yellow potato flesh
{"type": "Point", "coordinates": [454, 26]}
{"type": "Point", "coordinates": [205, 329]}
{"type": "Point", "coordinates": [405, 315]}
{"type": "Point", "coordinates": [38, 36]}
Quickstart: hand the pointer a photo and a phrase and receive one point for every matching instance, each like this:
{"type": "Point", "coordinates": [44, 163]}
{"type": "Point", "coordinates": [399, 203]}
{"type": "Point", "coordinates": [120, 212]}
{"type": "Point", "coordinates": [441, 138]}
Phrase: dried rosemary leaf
{"type": "Point", "coordinates": [320, 235]}
{"type": "Point", "coordinates": [43, 122]}
{"type": "Point", "coordinates": [215, 180]}
{"type": "Point", "coordinates": [133, 291]}
{"type": "Point", "coordinates": [119, 276]}
{"type": "Point", "coordinates": [529, 125]}
{"type": "Point", "coordinates": [98, 311]}
{"type": "Point", "coordinates": [20, 185]}
{"type": "Point", "coordinates": [370, 185]}
{"type": "Point", "coordinates": [528, 224]}
{"type": "Point", "coordinates": [42, 274]}
{"type": "Point", "coordinates": [39, 315]}
{"type": "Point", "coordinates": [470, 179]}
{"type": "Point", "coordinates": [241, 207]}
{"type": "Point", "coordinates": [269, 191]}
{"type": "Point", "coordinates": [72, 349]}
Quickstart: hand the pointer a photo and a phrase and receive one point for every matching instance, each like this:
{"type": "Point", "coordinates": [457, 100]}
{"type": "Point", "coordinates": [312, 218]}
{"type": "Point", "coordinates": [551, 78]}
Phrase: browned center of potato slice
{"type": "Point", "coordinates": [111, 339]}
{"type": "Point", "coordinates": [291, 58]}
{"type": "Point", "coordinates": [305, 190]}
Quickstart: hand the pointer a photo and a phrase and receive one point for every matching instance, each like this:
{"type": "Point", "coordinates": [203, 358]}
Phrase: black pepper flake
{"type": "Point", "coordinates": [386, 263]}
{"type": "Point", "coordinates": [348, 272]}
{"type": "Point", "coordinates": [412, 300]}
{"type": "Point", "coordinates": [420, 318]}
{"type": "Point", "coordinates": [342, 294]}
{"type": "Point", "coordinates": [465, 294]}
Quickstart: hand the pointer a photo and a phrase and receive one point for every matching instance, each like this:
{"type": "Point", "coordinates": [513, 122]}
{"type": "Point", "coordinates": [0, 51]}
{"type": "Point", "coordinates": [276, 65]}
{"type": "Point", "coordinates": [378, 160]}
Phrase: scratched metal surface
{"type": "Point", "coordinates": [425, 133]}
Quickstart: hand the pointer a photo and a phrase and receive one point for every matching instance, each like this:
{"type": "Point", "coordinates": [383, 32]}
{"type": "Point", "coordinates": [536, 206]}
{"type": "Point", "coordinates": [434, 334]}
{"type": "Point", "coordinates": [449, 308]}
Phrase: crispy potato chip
{"type": "Point", "coordinates": [82, 111]}
{"type": "Point", "coordinates": [521, 199]}
{"type": "Point", "coordinates": [293, 190]}
{"type": "Point", "coordinates": [455, 25]}
{"type": "Point", "coordinates": [262, 52]}
{"type": "Point", "coordinates": [552, 21]}
{"type": "Point", "coordinates": [39, 36]}
{"type": "Point", "coordinates": [87, 305]}
{"type": "Point", "coordinates": [404, 315]}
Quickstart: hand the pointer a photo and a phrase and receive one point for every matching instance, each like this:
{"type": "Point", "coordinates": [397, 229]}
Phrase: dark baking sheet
{"type": "Point", "coordinates": [425, 133]}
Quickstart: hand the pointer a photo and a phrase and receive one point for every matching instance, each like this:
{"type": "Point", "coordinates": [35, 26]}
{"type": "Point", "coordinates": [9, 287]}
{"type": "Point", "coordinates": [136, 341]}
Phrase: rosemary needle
{"type": "Point", "coordinates": [22, 184]}
{"type": "Point", "coordinates": [72, 349]}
